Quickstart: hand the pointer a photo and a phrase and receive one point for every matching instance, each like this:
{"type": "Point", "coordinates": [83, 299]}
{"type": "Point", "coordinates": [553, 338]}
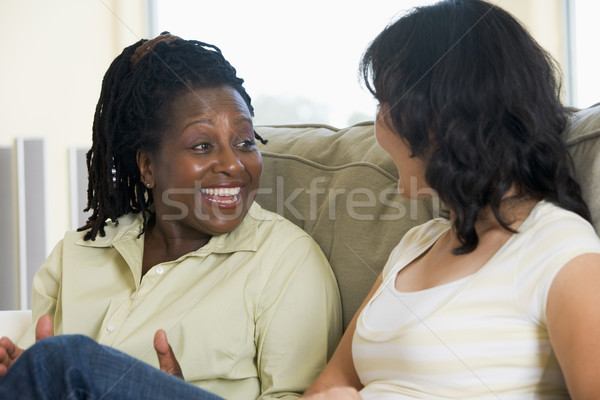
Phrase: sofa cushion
{"type": "Point", "coordinates": [14, 323]}
{"type": "Point", "coordinates": [583, 141]}
{"type": "Point", "coordinates": [340, 187]}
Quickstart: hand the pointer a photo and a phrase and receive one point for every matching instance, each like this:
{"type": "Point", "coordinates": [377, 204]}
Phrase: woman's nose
{"type": "Point", "coordinates": [228, 162]}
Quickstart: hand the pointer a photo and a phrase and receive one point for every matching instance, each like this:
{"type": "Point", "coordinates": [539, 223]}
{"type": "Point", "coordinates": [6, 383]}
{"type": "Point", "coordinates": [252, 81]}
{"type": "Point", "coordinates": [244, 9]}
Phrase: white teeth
{"type": "Point", "coordinates": [225, 201]}
{"type": "Point", "coordinates": [222, 191]}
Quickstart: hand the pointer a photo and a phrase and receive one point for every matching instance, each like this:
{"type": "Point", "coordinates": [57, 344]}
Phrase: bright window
{"type": "Point", "coordinates": [585, 57]}
{"type": "Point", "coordinates": [299, 59]}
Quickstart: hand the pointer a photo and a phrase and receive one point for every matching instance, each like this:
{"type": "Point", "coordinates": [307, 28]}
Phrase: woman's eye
{"type": "Point", "coordinates": [202, 146]}
{"type": "Point", "coordinates": [248, 144]}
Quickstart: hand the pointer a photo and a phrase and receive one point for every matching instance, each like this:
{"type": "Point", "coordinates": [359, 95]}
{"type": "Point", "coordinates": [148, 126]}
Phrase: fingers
{"type": "Point", "coordinates": [9, 353]}
{"type": "Point", "coordinates": [44, 328]}
{"type": "Point", "coordinates": [166, 358]}
{"type": "Point", "coordinates": [5, 362]}
{"type": "Point", "coordinates": [349, 393]}
{"type": "Point", "coordinates": [161, 344]}
{"type": "Point", "coordinates": [4, 358]}
{"type": "Point", "coordinates": [336, 393]}
{"type": "Point", "coordinates": [12, 351]}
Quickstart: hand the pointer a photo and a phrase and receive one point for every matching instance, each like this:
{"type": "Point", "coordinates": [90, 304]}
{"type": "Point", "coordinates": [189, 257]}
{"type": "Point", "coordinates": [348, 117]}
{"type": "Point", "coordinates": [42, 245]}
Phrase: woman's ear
{"type": "Point", "coordinates": [144, 163]}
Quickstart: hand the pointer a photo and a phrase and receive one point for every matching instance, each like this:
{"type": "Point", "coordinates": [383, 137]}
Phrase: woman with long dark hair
{"type": "Point", "coordinates": [500, 299]}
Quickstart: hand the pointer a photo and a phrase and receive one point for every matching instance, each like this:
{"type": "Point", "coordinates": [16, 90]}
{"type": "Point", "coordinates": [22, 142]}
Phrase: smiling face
{"type": "Point", "coordinates": [206, 172]}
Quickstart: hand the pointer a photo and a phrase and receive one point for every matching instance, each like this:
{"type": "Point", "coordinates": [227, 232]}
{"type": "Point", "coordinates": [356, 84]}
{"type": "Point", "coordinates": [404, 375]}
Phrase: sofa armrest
{"type": "Point", "coordinates": [14, 323]}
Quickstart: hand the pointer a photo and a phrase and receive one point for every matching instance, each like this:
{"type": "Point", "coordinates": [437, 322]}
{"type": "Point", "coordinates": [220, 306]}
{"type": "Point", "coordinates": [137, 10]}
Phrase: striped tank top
{"type": "Point", "coordinates": [480, 337]}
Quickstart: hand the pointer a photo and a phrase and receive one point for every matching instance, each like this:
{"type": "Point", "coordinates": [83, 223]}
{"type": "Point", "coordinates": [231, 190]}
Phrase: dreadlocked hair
{"type": "Point", "coordinates": [478, 99]}
{"type": "Point", "coordinates": [129, 117]}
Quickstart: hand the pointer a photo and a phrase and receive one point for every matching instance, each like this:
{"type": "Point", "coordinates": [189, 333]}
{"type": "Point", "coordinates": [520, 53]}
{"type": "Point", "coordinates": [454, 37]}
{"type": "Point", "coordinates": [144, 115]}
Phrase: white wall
{"type": "Point", "coordinates": [54, 54]}
{"type": "Point", "coordinates": [545, 20]}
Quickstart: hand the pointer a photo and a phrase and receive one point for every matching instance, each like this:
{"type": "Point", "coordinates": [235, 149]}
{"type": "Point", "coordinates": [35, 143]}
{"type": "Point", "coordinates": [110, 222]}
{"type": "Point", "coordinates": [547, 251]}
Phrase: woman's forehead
{"type": "Point", "coordinates": [211, 100]}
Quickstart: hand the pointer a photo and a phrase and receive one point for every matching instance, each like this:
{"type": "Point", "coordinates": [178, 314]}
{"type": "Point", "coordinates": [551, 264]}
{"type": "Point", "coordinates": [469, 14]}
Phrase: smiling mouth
{"type": "Point", "coordinates": [221, 195]}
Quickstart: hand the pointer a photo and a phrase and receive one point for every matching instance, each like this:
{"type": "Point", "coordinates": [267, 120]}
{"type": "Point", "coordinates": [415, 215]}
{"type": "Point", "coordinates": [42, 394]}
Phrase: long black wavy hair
{"type": "Point", "coordinates": [477, 98]}
{"type": "Point", "coordinates": [140, 81]}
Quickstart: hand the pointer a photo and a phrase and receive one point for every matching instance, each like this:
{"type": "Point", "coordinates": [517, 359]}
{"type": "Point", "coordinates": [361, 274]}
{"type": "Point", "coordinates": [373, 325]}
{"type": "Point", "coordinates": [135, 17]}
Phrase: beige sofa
{"type": "Point", "coordinates": [340, 186]}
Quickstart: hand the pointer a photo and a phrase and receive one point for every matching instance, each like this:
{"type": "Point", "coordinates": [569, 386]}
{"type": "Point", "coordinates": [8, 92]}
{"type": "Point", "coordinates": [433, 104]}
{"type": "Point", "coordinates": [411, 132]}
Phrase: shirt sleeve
{"type": "Point", "coordinates": [299, 321]}
{"type": "Point", "coordinates": [412, 245]}
{"type": "Point", "coordinates": [45, 293]}
{"type": "Point", "coordinates": [549, 249]}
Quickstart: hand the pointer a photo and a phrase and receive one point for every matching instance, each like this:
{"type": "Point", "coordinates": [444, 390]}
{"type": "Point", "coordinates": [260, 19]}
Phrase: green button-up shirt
{"type": "Point", "coordinates": [255, 313]}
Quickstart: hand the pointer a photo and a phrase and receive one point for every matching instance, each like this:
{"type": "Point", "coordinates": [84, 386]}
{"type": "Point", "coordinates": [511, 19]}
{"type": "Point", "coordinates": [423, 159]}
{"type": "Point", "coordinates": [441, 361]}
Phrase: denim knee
{"type": "Point", "coordinates": [62, 347]}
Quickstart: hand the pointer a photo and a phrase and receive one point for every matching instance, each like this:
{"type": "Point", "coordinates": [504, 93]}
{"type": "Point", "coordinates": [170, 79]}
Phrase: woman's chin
{"type": "Point", "coordinates": [221, 217]}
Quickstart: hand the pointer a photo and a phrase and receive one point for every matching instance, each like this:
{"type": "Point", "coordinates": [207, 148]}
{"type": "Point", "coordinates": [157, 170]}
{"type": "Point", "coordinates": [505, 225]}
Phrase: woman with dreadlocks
{"type": "Point", "coordinates": [175, 241]}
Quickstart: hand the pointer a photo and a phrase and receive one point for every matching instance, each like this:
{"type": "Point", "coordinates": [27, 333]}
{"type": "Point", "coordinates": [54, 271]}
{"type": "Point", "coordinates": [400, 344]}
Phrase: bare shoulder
{"type": "Point", "coordinates": [573, 317]}
{"type": "Point", "coordinates": [576, 286]}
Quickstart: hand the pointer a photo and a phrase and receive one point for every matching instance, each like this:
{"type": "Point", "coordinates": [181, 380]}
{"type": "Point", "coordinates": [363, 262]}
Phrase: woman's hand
{"type": "Point", "coordinates": [336, 393]}
{"type": "Point", "coordinates": [10, 352]}
{"type": "Point", "coordinates": [166, 358]}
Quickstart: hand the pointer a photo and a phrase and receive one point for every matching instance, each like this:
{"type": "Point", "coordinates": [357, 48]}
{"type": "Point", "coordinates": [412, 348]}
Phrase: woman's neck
{"type": "Point", "coordinates": [513, 212]}
{"type": "Point", "coordinates": [163, 242]}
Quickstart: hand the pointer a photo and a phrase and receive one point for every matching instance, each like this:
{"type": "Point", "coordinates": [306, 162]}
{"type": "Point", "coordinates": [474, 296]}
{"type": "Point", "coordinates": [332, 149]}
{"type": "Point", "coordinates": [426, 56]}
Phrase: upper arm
{"type": "Point", "coordinates": [340, 370]}
{"type": "Point", "coordinates": [573, 317]}
{"type": "Point", "coordinates": [299, 322]}
{"type": "Point", "coordinates": [45, 290]}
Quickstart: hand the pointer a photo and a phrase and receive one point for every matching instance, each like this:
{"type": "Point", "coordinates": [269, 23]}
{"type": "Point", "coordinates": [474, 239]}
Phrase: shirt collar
{"type": "Point", "coordinates": [129, 226]}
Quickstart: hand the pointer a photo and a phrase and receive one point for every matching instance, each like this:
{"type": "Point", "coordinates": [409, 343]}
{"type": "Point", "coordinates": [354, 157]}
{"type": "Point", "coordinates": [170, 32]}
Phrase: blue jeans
{"type": "Point", "coordinates": [76, 367]}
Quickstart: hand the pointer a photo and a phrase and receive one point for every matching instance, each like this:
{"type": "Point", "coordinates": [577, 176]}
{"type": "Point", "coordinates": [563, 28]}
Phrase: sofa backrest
{"type": "Point", "coordinates": [340, 187]}
{"type": "Point", "coordinates": [583, 141]}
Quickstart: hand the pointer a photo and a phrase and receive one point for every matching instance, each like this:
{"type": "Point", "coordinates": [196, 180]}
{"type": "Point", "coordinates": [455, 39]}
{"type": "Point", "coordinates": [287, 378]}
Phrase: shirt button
{"type": "Point", "coordinates": [133, 295]}
{"type": "Point", "coordinates": [160, 270]}
{"type": "Point", "coordinates": [110, 328]}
